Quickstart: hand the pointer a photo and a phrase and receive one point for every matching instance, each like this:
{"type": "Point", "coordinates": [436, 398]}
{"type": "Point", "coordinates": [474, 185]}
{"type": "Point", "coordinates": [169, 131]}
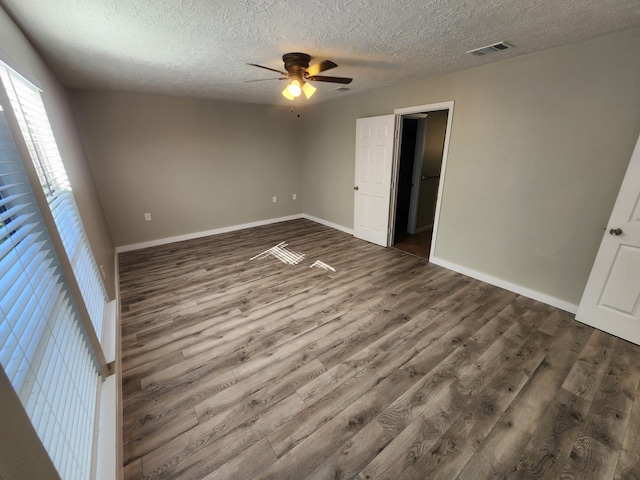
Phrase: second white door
{"type": "Point", "coordinates": [372, 190]}
{"type": "Point", "coordinates": [611, 300]}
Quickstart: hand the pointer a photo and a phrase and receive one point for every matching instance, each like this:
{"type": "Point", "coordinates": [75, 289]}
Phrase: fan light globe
{"type": "Point", "coordinates": [308, 90]}
{"type": "Point", "coordinates": [294, 88]}
{"type": "Point", "coordinates": [286, 94]}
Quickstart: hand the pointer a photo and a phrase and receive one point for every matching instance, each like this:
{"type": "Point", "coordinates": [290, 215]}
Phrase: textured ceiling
{"type": "Point", "coordinates": [201, 47]}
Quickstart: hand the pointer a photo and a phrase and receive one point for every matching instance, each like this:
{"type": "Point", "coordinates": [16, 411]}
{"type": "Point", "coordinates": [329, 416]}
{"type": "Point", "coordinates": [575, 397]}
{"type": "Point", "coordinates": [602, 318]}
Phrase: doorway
{"type": "Point", "coordinates": [419, 167]}
{"type": "Point", "coordinates": [377, 164]}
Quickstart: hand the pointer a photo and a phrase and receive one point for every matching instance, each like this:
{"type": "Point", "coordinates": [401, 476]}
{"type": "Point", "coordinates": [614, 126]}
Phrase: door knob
{"type": "Point", "coordinates": [355, 188]}
{"type": "Point", "coordinates": [615, 231]}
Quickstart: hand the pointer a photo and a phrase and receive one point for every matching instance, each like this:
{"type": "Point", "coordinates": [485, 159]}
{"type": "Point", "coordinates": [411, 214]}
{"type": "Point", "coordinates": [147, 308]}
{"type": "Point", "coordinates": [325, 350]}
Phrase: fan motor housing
{"type": "Point", "coordinates": [296, 63]}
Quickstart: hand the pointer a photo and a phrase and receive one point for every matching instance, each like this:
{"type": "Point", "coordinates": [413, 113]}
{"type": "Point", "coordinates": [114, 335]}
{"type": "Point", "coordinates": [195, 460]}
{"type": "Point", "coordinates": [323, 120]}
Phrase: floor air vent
{"type": "Point", "coordinates": [495, 47]}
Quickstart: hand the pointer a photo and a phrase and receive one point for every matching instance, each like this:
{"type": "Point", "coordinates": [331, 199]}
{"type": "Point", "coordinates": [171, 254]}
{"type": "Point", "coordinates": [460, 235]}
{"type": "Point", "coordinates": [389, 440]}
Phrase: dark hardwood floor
{"type": "Point", "coordinates": [417, 244]}
{"type": "Point", "coordinates": [391, 367]}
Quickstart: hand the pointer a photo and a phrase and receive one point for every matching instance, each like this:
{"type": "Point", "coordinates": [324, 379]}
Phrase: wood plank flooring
{"type": "Point", "coordinates": [418, 244]}
{"type": "Point", "coordinates": [391, 367]}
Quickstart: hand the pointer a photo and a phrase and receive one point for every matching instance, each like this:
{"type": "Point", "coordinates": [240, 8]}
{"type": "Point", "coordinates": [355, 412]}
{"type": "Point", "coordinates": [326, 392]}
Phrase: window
{"type": "Point", "coordinates": [34, 124]}
{"type": "Point", "coordinates": [45, 347]}
{"type": "Point", "coordinates": [5, 173]}
{"type": "Point", "coordinates": [6, 219]}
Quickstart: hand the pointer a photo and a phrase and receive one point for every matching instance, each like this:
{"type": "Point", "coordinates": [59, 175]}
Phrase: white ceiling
{"type": "Point", "coordinates": [201, 47]}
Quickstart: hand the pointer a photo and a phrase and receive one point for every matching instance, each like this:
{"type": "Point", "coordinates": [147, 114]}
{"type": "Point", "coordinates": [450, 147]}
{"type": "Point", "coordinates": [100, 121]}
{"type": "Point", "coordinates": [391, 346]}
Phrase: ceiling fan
{"type": "Point", "coordinates": [300, 73]}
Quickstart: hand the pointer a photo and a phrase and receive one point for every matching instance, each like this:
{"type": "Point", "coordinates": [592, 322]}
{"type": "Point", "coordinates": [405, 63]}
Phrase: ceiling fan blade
{"type": "Point", "coordinates": [265, 79]}
{"type": "Point", "coordinates": [320, 67]}
{"type": "Point", "coordinates": [267, 68]}
{"type": "Point", "coordinates": [330, 79]}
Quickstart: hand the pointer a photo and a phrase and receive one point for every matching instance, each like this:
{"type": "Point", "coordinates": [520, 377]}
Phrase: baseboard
{"type": "Point", "coordinates": [207, 233]}
{"type": "Point", "coordinates": [512, 287]}
{"type": "Point", "coordinates": [328, 224]}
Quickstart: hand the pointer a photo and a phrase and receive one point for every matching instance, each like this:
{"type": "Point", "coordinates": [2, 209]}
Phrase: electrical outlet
{"type": "Point", "coordinates": [147, 217]}
{"type": "Point", "coordinates": [294, 196]}
{"type": "Point", "coordinates": [275, 199]}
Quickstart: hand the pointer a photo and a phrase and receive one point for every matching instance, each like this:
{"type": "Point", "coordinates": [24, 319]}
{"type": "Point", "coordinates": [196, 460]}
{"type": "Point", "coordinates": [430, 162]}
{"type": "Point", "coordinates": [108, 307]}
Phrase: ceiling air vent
{"type": "Point", "coordinates": [495, 47]}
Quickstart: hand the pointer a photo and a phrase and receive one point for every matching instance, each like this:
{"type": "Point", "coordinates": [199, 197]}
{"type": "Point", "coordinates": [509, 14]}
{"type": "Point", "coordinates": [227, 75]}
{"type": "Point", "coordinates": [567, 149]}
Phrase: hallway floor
{"type": "Point", "coordinates": [418, 244]}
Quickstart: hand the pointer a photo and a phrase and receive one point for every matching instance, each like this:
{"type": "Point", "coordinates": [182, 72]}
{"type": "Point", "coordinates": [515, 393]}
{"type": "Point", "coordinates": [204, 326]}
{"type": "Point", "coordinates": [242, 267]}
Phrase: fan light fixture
{"type": "Point", "coordinates": [296, 87]}
{"type": "Point", "coordinates": [298, 71]}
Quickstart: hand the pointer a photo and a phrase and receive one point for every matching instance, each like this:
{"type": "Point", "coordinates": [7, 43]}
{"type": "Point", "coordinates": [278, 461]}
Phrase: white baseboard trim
{"type": "Point", "coordinates": [207, 233]}
{"type": "Point", "coordinates": [328, 223]}
{"type": "Point", "coordinates": [512, 287]}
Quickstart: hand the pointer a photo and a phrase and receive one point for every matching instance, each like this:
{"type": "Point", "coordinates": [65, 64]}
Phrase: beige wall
{"type": "Point", "coordinates": [539, 146]}
{"type": "Point", "coordinates": [22, 56]}
{"type": "Point", "coordinates": [194, 164]}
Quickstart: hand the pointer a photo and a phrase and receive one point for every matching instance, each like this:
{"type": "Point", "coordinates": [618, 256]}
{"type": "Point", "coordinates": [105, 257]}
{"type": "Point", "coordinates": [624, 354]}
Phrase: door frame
{"type": "Point", "coordinates": [400, 112]}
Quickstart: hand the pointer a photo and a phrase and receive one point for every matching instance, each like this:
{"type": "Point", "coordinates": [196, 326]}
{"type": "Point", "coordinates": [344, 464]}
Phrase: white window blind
{"type": "Point", "coordinates": [32, 118]}
{"type": "Point", "coordinates": [44, 349]}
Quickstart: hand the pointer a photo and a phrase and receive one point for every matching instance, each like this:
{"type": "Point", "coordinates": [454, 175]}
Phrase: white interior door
{"type": "Point", "coordinates": [611, 300]}
{"type": "Point", "coordinates": [372, 190]}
